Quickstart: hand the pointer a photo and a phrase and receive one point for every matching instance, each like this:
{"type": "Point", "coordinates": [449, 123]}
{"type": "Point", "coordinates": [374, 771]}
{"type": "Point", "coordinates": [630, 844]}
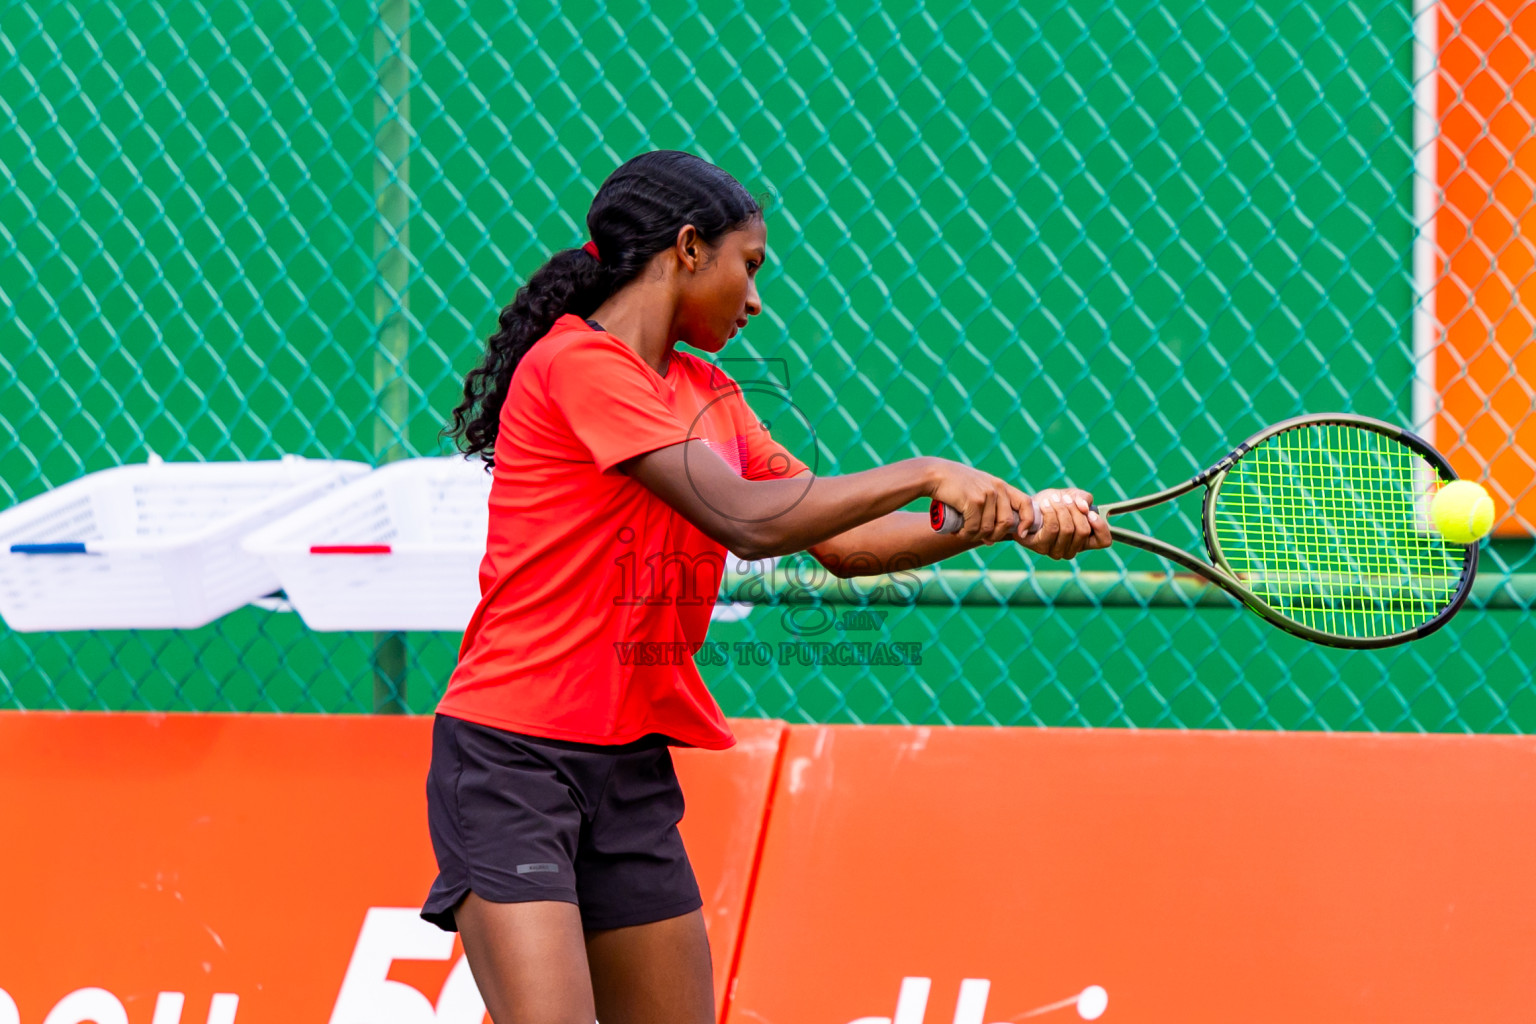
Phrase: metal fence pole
{"type": "Point", "coordinates": [391, 295]}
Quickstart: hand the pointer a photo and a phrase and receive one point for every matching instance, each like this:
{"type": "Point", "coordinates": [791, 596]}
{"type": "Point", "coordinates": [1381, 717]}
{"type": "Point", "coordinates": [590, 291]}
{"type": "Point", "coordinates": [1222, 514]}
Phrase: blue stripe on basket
{"type": "Point", "coordinates": [69, 547]}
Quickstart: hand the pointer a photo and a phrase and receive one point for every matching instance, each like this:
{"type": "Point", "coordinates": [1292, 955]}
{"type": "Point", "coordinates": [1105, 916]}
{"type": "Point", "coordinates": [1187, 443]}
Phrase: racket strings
{"type": "Point", "coordinates": [1328, 525]}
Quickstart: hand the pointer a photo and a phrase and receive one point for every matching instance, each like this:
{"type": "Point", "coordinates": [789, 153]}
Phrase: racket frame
{"type": "Point", "coordinates": [1219, 572]}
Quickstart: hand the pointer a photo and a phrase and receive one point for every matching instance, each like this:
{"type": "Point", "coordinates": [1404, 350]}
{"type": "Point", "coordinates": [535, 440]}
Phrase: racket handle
{"type": "Point", "coordinates": [947, 519]}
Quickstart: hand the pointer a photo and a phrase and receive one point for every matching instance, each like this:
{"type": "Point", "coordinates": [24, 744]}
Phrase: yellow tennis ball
{"type": "Point", "coordinates": [1462, 512]}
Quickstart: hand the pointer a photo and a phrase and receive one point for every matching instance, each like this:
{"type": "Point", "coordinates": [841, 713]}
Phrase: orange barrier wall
{"type": "Point", "coordinates": [1485, 298]}
{"type": "Point", "coordinates": [723, 830]}
{"type": "Point", "coordinates": [162, 869]}
{"type": "Point", "coordinates": [923, 876]}
{"type": "Point", "coordinates": [240, 869]}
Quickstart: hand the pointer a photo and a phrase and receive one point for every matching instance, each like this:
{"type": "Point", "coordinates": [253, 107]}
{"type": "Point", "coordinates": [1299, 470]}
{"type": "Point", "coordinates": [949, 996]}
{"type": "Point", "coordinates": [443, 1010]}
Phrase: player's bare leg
{"type": "Point", "coordinates": [529, 960]}
{"type": "Point", "coordinates": [655, 973]}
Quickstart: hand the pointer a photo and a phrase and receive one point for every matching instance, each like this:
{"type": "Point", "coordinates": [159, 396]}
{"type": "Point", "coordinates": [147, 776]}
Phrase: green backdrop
{"type": "Point", "coordinates": [1067, 242]}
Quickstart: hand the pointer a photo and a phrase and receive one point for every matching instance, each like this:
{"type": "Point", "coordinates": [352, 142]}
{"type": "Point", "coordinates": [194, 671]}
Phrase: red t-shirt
{"type": "Point", "coordinates": [583, 563]}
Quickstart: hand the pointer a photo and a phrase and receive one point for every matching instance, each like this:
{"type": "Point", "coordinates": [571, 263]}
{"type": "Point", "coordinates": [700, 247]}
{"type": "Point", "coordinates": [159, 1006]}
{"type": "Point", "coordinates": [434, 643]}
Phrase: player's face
{"type": "Point", "coordinates": [722, 294]}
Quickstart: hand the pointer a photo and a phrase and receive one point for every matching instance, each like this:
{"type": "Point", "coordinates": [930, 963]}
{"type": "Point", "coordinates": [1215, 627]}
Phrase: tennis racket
{"type": "Point", "coordinates": [1320, 524]}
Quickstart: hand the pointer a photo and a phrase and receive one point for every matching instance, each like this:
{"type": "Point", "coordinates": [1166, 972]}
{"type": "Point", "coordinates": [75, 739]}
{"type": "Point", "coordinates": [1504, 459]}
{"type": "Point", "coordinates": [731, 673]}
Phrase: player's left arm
{"type": "Point", "coordinates": [907, 540]}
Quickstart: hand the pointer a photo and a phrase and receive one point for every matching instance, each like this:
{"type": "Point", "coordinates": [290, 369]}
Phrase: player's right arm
{"type": "Point", "coordinates": [766, 518]}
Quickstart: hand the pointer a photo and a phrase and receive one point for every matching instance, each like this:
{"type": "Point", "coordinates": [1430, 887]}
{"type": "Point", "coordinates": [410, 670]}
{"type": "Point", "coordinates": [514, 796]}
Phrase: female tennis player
{"type": "Point", "coordinates": [552, 802]}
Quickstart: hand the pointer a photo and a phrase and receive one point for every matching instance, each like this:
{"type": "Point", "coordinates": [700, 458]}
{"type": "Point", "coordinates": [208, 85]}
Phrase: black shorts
{"type": "Point", "coordinates": [518, 818]}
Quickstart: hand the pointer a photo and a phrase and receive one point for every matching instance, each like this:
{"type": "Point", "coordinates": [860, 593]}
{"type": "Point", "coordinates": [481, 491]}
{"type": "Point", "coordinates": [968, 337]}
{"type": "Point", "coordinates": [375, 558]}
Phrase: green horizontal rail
{"type": "Point", "coordinates": [1021, 588]}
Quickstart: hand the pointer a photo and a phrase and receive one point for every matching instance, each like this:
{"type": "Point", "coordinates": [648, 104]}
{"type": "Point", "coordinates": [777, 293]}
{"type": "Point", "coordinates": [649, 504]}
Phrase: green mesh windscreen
{"type": "Point", "coordinates": [1067, 242]}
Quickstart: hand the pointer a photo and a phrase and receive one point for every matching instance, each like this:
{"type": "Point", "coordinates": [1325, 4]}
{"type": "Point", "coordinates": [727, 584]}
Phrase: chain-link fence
{"type": "Point", "coordinates": [1068, 242]}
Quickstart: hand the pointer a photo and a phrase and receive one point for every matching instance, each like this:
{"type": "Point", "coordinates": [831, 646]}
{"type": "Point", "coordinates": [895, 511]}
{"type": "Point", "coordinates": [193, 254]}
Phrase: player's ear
{"type": "Point", "coordinates": [689, 247]}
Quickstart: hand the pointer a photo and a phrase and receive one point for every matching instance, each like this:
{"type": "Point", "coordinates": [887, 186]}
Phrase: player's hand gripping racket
{"type": "Point", "coordinates": [1321, 525]}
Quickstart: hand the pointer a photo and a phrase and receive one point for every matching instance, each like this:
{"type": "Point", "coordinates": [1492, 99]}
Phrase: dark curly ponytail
{"type": "Point", "coordinates": [636, 214]}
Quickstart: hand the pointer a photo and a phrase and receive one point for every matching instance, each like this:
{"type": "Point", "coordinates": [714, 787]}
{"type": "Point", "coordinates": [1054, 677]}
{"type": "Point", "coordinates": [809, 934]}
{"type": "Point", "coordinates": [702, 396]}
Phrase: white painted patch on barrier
{"type": "Point", "coordinates": [367, 995]}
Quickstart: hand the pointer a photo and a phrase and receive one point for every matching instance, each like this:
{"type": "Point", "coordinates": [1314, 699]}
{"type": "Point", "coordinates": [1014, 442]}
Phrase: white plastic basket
{"type": "Point", "coordinates": [151, 546]}
{"type": "Point", "coordinates": [399, 549]}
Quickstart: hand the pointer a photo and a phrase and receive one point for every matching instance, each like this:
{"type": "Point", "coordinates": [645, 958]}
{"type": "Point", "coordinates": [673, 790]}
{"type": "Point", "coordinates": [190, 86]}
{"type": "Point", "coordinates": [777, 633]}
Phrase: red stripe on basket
{"type": "Point", "coordinates": [349, 549]}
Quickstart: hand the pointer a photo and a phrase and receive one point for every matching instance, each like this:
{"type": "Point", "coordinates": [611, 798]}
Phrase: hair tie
{"type": "Point", "coordinates": [591, 249]}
